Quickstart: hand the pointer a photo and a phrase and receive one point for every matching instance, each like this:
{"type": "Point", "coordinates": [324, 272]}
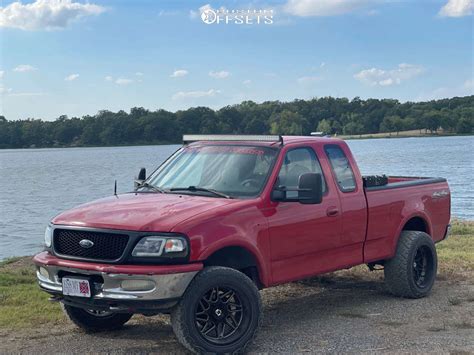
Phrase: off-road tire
{"type": "Point", "coordinates": [91, 323]}
{"type": "Point", "coordinates": [183, 315]}
{"type": "Point", "coordinates": [401, 276]}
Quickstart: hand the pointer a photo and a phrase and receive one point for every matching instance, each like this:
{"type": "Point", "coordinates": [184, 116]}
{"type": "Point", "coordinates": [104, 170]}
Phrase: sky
{"type": "Point", "coordinates": [71, 57]}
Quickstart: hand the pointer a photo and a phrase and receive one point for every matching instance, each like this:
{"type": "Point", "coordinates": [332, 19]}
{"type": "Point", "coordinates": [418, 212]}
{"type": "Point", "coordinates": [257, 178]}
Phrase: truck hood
{"type": "Point", "coordinates": [139, 212]}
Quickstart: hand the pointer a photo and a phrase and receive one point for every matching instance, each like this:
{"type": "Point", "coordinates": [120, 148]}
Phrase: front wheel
{"type": "Point", "coordinates": [95, 321]}
{"type": "Point", "coordinates": [220, 312]}
{"type": "Point", "coordinates": [411, 272]}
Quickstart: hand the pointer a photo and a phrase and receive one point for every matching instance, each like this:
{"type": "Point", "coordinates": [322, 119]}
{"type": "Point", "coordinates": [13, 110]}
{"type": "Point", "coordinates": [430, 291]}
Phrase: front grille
{"type": "Point", "coordinates": [107, 246]}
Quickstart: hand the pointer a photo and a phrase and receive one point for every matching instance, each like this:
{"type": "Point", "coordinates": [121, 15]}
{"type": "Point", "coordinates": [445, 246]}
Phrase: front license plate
{"type": "Point", "coordinates": [76, 287]}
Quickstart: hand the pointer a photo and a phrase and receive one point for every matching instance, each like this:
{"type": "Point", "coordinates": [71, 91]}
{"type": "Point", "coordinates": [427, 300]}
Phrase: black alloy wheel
{"type": "Point", "coordinates": [220, 315]}
{"type": "Point", "coordinates": [422, 266]}
{"type": "Point", "coordinates": [219, 312]}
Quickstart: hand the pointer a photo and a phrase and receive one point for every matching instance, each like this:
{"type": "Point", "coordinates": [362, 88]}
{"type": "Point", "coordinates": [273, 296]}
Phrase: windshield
{"type": "Point", "coordinates": [236, 171]}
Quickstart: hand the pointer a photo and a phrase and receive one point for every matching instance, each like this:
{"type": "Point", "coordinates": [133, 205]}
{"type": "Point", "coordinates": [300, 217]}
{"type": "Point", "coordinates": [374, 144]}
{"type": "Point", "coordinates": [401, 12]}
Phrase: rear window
{"type": "Point", "coordinates": [341, 167]}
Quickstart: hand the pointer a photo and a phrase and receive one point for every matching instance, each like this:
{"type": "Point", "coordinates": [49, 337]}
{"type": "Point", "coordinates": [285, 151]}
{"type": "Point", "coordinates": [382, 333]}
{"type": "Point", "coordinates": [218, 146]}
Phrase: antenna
{"type": "Point", "coordinates": [115, 187]}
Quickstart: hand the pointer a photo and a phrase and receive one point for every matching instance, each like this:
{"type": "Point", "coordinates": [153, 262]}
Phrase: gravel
{"type": "Point", "coordinates": [339, 313]}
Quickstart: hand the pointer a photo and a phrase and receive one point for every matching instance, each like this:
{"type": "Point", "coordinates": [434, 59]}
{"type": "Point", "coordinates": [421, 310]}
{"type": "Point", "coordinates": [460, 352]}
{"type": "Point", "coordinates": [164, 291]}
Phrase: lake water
{"type": "Point", "coordinates": [37, 184]}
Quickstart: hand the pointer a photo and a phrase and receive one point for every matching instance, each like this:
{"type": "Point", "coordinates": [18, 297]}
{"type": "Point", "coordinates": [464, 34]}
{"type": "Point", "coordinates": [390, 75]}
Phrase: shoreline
{"type": "Point", "coordinates": [343, 137]}
{"type": "Point", "coordinates": [402, 134]}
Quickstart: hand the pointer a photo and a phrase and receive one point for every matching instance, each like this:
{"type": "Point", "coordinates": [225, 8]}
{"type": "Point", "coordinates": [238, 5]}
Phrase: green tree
{"type": "Point", "coordinates": [287, 122]}
{"type": "Point", "coordinates": [397, 123]}
{"type": "Point", "coordinates": [432, 120]}
{"type": "Point", "coordinates": [324, 126]}
{"type": "Point", "coordinates": [332, 115]}
{"type": "Point", "coordinates": [465, 125]}
{"type": "Point", "coordinates": [387, 125]}
{"type": "Point", "coordinates": [353, 128]}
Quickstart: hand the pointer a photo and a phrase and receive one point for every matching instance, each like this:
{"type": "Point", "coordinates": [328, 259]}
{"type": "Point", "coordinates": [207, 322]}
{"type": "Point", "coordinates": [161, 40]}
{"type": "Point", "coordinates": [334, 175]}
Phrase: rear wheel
{"type": "Point", "coordinates": [219, 312]}
{"type": "Point", "coordinates": [95, 321]}
{"type": "Point", "coordinates": [411, 272]}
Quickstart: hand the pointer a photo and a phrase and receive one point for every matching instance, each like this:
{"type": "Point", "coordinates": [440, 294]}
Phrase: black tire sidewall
{"type": "Point", "coordinates": [245, 289]}
{"type": "Point", "coordinates": [91, 323]}
{"type": "Point", "coordinates": [399, 273]}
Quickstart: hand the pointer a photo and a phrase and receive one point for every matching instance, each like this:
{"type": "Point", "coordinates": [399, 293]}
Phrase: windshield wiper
{"type": "Point", "coordinates": [152, 187]}
{"type": "Point", "coordinates": [203, 189]}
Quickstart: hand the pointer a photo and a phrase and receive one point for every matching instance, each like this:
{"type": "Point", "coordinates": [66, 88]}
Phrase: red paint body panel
{"type": "Point", "coordinates": [390, 210]}
{"type": "Point", "coordinates": [139, 212]}
{"type": "Point", "coordinates": [288, 240]}
{"type": "Point", "coordinates": [47, 259]}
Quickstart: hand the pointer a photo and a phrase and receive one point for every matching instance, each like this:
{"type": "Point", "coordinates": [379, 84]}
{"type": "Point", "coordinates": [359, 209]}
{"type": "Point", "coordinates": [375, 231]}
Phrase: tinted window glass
{"type": "Point", "coordinates": [297, 162]}
{"type": "Point", "coordinates": [341, 167]}
{"type": "Point", "coordinates": [238, 171]}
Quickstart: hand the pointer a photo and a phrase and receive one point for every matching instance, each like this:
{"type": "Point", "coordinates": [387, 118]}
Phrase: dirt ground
{"type": "Point", "coordinates": [345, 312]}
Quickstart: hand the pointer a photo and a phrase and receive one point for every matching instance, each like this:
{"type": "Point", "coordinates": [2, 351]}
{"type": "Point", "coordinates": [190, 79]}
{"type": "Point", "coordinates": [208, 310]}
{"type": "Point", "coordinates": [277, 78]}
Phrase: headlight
{"type": "Point", "coordinates": [48, 237]}
{"type": "Point", "coordinates": [160, 246]}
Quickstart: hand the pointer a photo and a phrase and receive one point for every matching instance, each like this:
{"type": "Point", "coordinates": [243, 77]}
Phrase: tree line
{"type": "Point", "coordinates": [329, 115]}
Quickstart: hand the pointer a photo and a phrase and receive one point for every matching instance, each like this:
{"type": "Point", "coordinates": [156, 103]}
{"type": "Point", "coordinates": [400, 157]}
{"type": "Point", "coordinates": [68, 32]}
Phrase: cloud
{"type": "Point", "coordinates": [219, 74]}
{"type": "Point", "coordinates": [4, 90]}
{"type": "Point", "coordinates": [469, 85]}
{"type": "Point", "coordinates": [123, 81]}
{"type": "Point", "coordinates": [45, 14]}
{"type": "Point", "coordinates": [195, 94]}
{"type": "Point", "coordinates": [247, 82]}
{"type": "Point", "coordinates": [27, 94]}
{"type": "Point", "coordinates": [463, 89]}
{"type": "Point", "coordinates": [195, 14]}
{"type": "Point", "coordinates": [71, 77]}
{"type": "Point", "coordinates": [306, 8]}
{"type": "Point", "coordinates": [305, 80]}
{"type": "Point", "coordinates": [168, 13]}
{"type": "Point", "coordinates": [24, 68]}
{"type": "Point", "coordinates": [108, 78]}
{"type": "Point", "coordinates": [1, 74]}
{"type": "Point", "coordinates": [179, 73]}
{"type": "Point", "coordinates": [270, 75]}
{"type": "Point", "coordinates": [381, 77]}
{"type": "Point", "coordinates": [138, 73]}
{"type": "Point", "coordinates": [457, 8]}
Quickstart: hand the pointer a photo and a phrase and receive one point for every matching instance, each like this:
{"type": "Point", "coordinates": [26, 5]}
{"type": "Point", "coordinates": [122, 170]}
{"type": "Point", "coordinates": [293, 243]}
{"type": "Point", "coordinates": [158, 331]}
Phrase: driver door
{"type": "Point", "coordinates": [303, 237]}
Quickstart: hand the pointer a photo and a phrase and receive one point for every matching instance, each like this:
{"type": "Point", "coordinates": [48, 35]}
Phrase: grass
{"type": "Point", "coordinates": [456, 254]}
{"type": "Point", "coordinates": [23, 305]}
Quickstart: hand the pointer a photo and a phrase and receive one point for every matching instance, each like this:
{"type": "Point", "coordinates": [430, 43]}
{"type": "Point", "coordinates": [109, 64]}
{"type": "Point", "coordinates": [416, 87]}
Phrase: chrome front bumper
{"type": "Point", "coordinates": [160, 287]}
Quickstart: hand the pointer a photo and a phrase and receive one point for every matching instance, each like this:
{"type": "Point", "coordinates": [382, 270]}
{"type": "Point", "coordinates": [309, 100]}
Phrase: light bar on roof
{"type": "Point", "coordinates": [188, 138]}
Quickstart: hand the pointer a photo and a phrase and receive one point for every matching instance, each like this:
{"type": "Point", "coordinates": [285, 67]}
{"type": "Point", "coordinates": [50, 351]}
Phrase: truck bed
{"type": "Point", "coordinates": [391, 207]}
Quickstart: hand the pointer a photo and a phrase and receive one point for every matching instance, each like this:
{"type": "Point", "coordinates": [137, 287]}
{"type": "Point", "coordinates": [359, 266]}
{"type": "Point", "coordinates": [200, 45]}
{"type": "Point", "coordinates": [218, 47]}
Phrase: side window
{"type": "Point", "coordinates": [341, 167]}
{"type": "Point", "coordinates": [298, 162]}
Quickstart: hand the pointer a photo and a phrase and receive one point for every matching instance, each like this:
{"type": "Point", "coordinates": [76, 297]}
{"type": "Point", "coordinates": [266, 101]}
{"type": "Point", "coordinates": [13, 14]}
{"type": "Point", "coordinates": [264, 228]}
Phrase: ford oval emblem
{"type": "Point", "coordinates": [86, 243]}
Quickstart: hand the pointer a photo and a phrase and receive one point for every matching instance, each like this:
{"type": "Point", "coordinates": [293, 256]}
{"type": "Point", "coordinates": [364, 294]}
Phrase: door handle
{"type": "Point", "coordinates": [332, 212]}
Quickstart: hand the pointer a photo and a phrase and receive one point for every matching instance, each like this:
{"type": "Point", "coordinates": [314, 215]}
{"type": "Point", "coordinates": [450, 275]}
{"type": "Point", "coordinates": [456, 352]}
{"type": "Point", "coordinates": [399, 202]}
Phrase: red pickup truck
{"type": "Point", "coordinates": [225, 216]}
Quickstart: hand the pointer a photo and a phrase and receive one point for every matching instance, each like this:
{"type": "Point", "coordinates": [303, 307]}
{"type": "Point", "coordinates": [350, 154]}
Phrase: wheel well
{"type": "Point", "coordinates": [416, 224]}
{"type": "Point", "coordinates": [237, 258]}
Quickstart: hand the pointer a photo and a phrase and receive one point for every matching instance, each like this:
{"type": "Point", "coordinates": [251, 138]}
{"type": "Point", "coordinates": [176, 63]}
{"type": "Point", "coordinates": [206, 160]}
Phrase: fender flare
{"type": "Point", "coordinates": [263, 271]}
{"type": "Point", "coordinates": [419, 214]}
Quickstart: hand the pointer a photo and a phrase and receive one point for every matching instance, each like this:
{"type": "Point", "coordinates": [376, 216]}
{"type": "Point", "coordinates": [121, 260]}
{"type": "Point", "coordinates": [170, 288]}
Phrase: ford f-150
{"type": "Point", "coordinates": [225, 216]}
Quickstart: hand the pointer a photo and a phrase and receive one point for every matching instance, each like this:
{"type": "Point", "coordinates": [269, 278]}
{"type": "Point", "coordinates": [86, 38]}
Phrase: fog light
{"type": "Point", "coordinates": [137, 285]}
{"type": "Point", "coordinates": [43, 272]}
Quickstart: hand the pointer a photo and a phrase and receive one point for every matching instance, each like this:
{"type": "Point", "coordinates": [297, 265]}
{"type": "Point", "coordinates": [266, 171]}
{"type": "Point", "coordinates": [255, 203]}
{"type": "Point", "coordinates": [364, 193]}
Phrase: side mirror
{"type": "Point", "coordinates": [278, 194]}
{"type": "Point", "coordinates": [142, 174]}
{"type": "Point", "coordinates": [141, 177]}
{"type": "Point", "coordinates": [310, 188]}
